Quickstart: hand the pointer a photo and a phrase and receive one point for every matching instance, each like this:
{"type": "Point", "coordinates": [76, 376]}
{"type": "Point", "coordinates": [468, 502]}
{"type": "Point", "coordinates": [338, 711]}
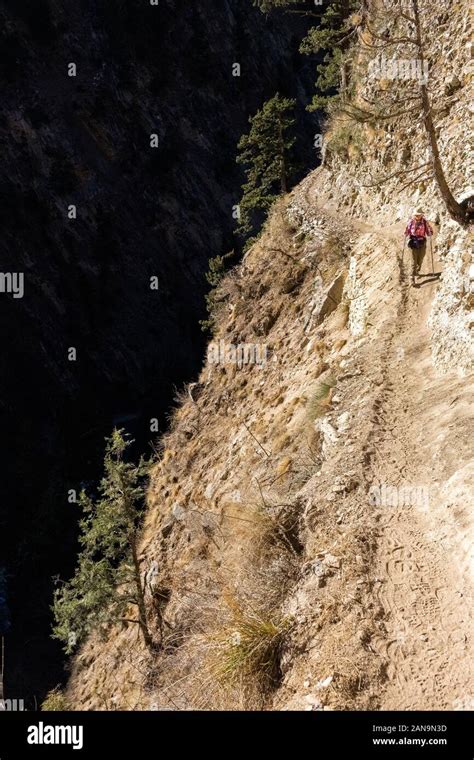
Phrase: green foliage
{"type": "Point", "coordinates": [250, 241]}
{"type": "Point", "coordinates": [214, 275]}
{"type": "Point", "coordinates": [55, 701]}
{"type": "Point", "coordinates": [216, 270]}
{"type": "Point", "coordinates": [343, 135]}
{"type": "Point", "coordinates": [332, 37]}
{"type": "Point", "coordinates": [107, 579]}
{"type": "Point", "coordinates": [266, 153]}
{"type": "Point", "coordinates": [268, 5]}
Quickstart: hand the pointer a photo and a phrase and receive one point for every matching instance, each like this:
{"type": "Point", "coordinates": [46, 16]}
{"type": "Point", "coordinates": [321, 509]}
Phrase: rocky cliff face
{"type": "Point", "coordinates": [84, 141]}
{"type": "Point", "coordinates": [307, 536]}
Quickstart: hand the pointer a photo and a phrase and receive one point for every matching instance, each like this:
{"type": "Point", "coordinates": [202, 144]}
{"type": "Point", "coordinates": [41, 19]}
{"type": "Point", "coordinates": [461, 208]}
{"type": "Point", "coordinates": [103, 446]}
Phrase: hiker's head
{"type": "Point", "coordinates": [418, 213]}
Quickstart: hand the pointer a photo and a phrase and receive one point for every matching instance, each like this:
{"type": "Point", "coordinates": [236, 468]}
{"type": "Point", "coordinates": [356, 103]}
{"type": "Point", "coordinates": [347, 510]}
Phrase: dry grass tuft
{"type": "Point", "coordinates": [248, 646]}
{"type": "Point", "coordinates": [321, 399]}
{"type": "Point", "coordinates": [55, 701]}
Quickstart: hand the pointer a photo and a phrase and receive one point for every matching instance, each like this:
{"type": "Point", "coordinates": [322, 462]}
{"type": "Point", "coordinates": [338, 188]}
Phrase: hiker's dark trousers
{"type": "Point", "coordinates": [418, 256]}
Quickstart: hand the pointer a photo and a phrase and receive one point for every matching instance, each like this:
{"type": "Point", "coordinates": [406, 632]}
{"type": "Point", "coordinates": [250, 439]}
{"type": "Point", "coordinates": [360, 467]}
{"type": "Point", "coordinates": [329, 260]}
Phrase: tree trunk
{"type": "Point", "coordinates": [344, 79]}
{"type": "Point", "coordinates": [142, 621]}
{"type": "Point", "coordinates": [283, 184]}
{"type": "Point", "coordinates": [454, 208]}
{"type": "Point", "coordinates": [132, 541]}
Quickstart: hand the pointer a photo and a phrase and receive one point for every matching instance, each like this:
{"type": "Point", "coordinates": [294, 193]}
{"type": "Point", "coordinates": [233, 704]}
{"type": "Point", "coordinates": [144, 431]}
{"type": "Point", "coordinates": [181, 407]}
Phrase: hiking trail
{"type": "Point", "coordinates": [422, 584]}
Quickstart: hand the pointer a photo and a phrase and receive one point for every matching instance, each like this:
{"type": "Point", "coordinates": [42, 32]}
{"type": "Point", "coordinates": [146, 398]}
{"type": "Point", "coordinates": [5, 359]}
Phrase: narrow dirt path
{"type": "Point", "coordinates": [420, 585]}
{"type": "Point", "coordinates": [418, 440]}
{"type": "Point", "coordinates": [423, 586]}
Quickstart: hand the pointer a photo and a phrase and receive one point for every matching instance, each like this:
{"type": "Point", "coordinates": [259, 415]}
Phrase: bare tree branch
{"type": "Point", "coordinates": [255, 439]}
{"type": "Point", "coordinates": [393, 102]}
{"type": "Point", "coordinates": [423, 175]}
{"type": "Point", "coordinates": [395, 174]}
{"type": "Point", "coordinates": [454, 208]}
{"type": "Point", "coordinates": [365, 116]}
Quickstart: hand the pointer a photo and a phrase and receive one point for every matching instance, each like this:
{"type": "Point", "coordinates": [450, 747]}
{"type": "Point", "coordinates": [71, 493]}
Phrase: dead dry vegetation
{"type": "Point", "coordinates": [227, 499]}
{"type": "Point", "coordinates": [254, 542]}
{"type": "Point", "coordinates": [272, 579]}
{"type": "Point", "coordinates": [261, 548]}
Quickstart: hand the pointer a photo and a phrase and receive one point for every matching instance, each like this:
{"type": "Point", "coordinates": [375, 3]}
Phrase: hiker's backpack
{"type": "Point", "coordinates": [416, 242]}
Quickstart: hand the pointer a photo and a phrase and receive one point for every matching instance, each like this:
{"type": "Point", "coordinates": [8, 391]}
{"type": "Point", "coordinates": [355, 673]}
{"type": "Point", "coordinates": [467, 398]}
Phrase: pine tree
{"type": "Point", "coordinates": [107, 580]}
{"type": "Point", "coordinates": [401, 33]}
{"type": "Point", "coordinates": [268, 5]}
{"type": "Point", "coordinates": [214, 275]}
{"type": "Point", "coordinates": [351, 30]}
{"type": "Point", "coordinates": [332, 37]}
{"type": "Point", "coordinates": [266, 153]}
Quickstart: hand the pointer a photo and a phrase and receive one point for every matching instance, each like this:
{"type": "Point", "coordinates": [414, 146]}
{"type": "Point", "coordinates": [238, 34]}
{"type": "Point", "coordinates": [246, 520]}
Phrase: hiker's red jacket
{"type": "Point", "coordinates": [420, 228]}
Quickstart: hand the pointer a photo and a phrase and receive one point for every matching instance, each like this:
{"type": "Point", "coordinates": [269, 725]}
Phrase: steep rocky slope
{"type": "Point", "coordinates": [141, 212]}
{"type": "Point", "coordinates": [309, 525]}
